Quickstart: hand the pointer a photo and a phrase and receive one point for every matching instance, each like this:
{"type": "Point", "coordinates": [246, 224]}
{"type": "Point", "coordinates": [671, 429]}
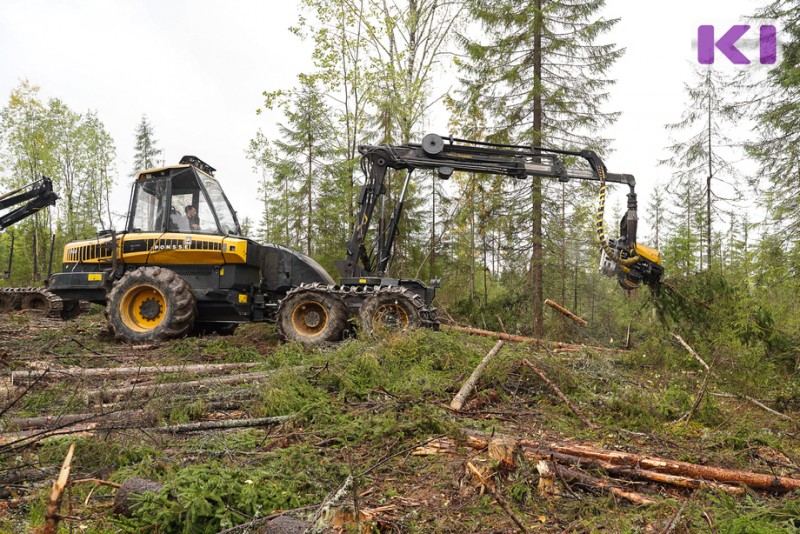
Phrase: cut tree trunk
{"type": "Point", "coordinates": [590, 482]}
{"type": "Point", "coordinates": [637, 473]}
{"type": "Point", "coordinates": [53, 514]}
{"type": "Point", "coordinates": [151, 390]}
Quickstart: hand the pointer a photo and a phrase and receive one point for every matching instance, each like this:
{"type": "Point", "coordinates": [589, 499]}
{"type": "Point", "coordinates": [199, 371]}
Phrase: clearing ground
{"type": "Point", "coordinates": [242, 427]}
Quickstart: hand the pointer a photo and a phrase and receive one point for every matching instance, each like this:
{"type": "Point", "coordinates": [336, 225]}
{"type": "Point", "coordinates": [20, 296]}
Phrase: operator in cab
{"type": "Point", "coordinates": [190, 222]}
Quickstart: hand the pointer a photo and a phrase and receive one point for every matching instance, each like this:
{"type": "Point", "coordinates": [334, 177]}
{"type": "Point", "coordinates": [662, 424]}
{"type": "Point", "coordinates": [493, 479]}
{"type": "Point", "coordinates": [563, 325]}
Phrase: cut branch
{"type": "Point", "coordinates": [691, 351]}
{"type": "Point", "coordinates": [497, 497]}
{"type": "Point", "coordinates": [563, 347]}
{"type": "Point", "coordinates": [560, 394]}
{"type": "Point", "coordinates": [53, 516]}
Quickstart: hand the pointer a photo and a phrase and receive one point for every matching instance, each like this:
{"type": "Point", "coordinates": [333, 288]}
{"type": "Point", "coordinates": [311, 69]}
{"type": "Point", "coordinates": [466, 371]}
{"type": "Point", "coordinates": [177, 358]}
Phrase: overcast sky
{"type": "Point", "coordinates": [197, 69]}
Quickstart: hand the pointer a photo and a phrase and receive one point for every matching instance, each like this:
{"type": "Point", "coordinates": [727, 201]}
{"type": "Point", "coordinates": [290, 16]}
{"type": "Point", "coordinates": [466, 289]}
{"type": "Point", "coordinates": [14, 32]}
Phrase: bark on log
{"type": "Point", "coordinates": [20, 377]}
{"type": "Point", "coordinates": [674, 467]}
{"type": "Point", "coordinates": [560, 394]}
{"type": "Point", "coordinates": [469, 385]}
{"type": "Point", "coordinates": [562, 310]}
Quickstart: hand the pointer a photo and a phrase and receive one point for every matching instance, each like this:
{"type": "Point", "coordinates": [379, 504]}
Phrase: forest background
{"type": "Point", "coordinates": [721, 204]}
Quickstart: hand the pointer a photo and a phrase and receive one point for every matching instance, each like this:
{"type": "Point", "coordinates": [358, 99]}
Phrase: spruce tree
{"type": "Point", "coordinates": [777, 147]}
{"type": "Point", "coordinates": [704, 151]}
{"type": "Point", "coordinates": [540, 74]}
{"type": "Point", "coordinates": [146, 147]}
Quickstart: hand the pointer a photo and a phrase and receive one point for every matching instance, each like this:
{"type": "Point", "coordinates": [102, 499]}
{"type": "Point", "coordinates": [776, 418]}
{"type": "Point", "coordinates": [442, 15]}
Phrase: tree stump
{"type": "Point", "coordinates": [125, 501]}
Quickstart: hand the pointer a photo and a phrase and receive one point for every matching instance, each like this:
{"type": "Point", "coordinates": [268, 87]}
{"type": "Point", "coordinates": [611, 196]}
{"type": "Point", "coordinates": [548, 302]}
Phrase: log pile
{"type": "Point", "coordinates": [625, 475]}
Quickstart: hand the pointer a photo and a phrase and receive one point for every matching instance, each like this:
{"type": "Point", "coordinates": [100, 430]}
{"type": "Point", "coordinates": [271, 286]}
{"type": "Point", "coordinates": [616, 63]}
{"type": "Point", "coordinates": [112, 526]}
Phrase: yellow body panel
{"type": "Point", "coordinates": [648, 253]}
{"type": "Point", "coordinates": [161, 248]}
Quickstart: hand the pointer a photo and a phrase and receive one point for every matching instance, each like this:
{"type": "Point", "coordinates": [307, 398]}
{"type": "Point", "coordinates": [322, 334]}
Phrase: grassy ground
{"type": "Point", "coordinates": [361, 407]}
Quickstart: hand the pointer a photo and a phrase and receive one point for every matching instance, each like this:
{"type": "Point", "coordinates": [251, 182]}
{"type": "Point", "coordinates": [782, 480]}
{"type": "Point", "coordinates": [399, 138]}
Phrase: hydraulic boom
{"type": "Point", "coordinates": [631, 262]}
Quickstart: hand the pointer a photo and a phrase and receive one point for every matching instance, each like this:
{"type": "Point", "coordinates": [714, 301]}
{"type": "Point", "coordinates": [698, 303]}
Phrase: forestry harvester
{"type": "Point", "coordinates": [182, 263]}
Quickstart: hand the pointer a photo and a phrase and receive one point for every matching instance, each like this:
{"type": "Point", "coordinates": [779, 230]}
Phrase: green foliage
{"type": "Point", "coordinates": [76, 151]}
{"type": "Point", "coordinates": [206, 498]}
{"type": "Point", "coordinates": [93, 455]}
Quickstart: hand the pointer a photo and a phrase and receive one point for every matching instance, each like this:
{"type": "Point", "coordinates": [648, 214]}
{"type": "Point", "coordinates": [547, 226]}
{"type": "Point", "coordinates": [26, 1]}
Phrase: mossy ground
{"type": "Point", "coordinates": [363, 403]}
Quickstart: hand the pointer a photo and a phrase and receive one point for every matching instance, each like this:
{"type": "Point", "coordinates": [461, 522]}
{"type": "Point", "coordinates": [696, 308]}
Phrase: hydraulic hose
{"type": "Point", "coordinates": [602, 235]}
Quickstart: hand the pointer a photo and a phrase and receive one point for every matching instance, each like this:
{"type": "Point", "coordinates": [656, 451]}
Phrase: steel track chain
{"type": "Point", "coordinates": [56, 304]}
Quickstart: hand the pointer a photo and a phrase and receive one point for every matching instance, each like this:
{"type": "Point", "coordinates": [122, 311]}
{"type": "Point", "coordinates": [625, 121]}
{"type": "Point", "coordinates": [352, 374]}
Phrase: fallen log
{"type": "Point", "coordinates": [590, 482]}
{"type": "Point", "coordinates": [223, 424]}
{"type": "Point", "coordinates": [565, 312]}
{"type": "Point", "coordinates": [563, 347]}
{"type": "Point", "coordinates": [150, 390]}
{"type": "Point", "coordinates": [128, 496]}
{"type": "Point", "coordinates": [637, 473]}
{"type": "Point", "coordinates": [19, 377]}
{"type": "Point", "coordinates": [465, 391]}
{"type": "Point", "coordinates": [718, 474]}
{"type": "Point", "coordinates": [14, 438]}
{"type": "Point", "coordinates": [659, 465]}
{"type": "Point", "coordinates": [560, 394]}
{"type": "Point", "coordinates": [55, 421]}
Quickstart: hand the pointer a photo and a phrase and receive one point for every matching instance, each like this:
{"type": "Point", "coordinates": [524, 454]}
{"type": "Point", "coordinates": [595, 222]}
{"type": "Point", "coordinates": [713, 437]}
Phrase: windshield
{"type": "Point", "coordinates": [225, 215]}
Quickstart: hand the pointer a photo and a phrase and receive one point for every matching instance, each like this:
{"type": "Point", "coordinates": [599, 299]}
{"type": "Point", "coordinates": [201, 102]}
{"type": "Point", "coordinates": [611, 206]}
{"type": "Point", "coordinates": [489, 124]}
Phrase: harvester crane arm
{"type": "Point", "coordinates": [36, 196]}
{"type": "Point", "coordinates": [448, 154]}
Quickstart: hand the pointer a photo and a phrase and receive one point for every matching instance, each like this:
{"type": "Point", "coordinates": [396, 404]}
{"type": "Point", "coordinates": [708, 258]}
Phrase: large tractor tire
{"type": "Point", "coordinates": [390, 310]}
{"type": "Point", "coordinates": [312, 317]}
{"type": "Point", "coordinates": [150, 304]}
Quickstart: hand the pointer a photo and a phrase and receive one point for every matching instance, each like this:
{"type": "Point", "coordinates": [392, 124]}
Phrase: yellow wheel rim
{"type": "Point", "coordinates": [390, 317]}
{"type": "Point", "coordinates": [309, 318]}
{"type": "Point", "coordinates": [143, 308]}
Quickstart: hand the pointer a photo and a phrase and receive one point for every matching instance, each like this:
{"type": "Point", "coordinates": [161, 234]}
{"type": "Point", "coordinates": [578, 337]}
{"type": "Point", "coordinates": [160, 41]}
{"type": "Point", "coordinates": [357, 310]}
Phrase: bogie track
{"type": "Point", "coordinates": [40, 300]}
{"type": "Point", "coordinates": [354, 297]}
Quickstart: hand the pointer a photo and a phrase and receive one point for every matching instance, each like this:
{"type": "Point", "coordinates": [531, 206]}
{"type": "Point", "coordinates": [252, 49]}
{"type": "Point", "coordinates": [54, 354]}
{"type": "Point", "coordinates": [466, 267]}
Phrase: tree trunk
{"type": "Point", "coordinates": [537, 259]}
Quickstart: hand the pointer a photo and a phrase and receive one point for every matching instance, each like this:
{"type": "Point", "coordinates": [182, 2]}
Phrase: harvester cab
{"type": "Point", "coordinates": [177, 199]}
